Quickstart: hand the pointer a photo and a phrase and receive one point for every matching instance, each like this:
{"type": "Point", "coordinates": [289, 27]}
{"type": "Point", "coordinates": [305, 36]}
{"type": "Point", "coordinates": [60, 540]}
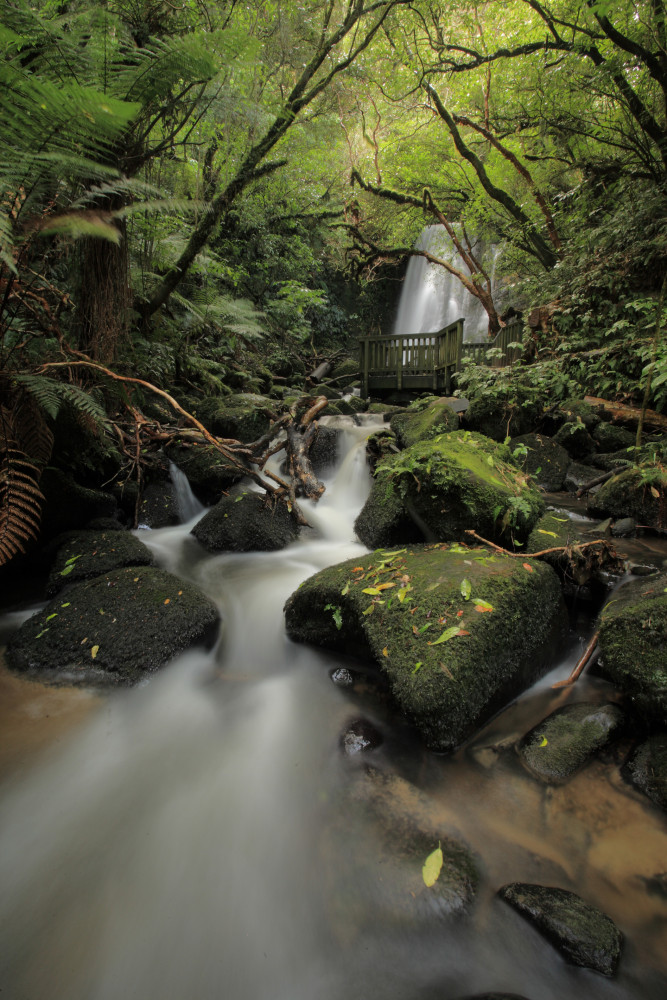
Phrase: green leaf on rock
{"type": "Point", "coordinates": [432, 867]}
{"type": "Point", "coordinates": [466, 589]}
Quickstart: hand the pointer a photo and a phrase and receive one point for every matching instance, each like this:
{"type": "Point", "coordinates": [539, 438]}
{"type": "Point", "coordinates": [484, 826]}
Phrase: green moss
{"type": "Point", "coordinates": [638, 493]}
{"type": "Point", "coordinates": [411, 426]}
{"type": "Point", "coordinates": [566, 740]}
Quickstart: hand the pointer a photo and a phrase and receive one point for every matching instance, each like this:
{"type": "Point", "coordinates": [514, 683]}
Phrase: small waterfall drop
{"type": "Point", "coordinates": [431, 297]}
{"type": "Point", "coordinates": [187, 503]}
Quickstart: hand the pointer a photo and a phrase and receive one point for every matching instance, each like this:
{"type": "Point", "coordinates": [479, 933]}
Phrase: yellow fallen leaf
{"type": "Point", "coordinates": [93, 651]}
{"type": "Point", "coordinates": [432, 867]}
{"type": "Point", "coordinates": [544, 741]}
{"type": "Point", "coordinates": [167, 601]}
{"type": "Point", "coordinates": [385, 651]}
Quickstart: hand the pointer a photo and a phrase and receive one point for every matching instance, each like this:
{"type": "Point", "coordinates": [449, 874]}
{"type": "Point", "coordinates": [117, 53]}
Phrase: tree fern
{"type": "Point", "coordinates": [20, 496]}
{"type": "Point", "coordinates": [51, 394]}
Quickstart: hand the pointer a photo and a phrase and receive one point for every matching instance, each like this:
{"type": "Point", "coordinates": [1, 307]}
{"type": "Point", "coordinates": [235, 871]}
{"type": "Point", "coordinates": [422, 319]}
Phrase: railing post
{"type": "Point", "coordinates": [364, 365]}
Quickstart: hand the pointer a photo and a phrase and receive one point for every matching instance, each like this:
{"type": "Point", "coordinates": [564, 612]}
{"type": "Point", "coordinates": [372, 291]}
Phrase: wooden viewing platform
{"type": "Point", "coordinates": [424, 361]}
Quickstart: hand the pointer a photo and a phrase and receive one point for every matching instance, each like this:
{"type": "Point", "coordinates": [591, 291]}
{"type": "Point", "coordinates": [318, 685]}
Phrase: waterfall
{"type": "Point", "coordinates": [431, 297]}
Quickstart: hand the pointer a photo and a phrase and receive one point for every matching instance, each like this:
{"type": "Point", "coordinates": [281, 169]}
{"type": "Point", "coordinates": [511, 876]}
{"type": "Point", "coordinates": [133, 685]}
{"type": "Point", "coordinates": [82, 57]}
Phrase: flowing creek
{"type": "Point", "coordinates": [187, 839]}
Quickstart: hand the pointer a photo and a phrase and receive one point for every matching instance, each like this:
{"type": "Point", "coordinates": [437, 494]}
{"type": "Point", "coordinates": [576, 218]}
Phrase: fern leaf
{"type": "Point", "coordinates": [20, 499]}
{"type": "Point", "coordinates": [51, 395]}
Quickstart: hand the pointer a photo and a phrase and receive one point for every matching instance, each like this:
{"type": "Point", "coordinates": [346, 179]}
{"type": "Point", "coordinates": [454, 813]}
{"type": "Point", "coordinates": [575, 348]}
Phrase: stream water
{"type": "Point", "coordinates": [178, 845]}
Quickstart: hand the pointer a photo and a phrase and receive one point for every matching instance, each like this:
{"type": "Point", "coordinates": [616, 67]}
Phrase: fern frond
{"type": "Point", "coordinates": [51, 394]}
{"type": "Point", "coordinates": [29, 429]}
{"type": "Point", "coordinates": [20, 498]}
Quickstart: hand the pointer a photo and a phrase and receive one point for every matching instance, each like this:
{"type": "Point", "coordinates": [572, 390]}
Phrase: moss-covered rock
{"type": "Point", "coordinates": [574, 437]}
{"type": "Point", "coordinates": [352, 404]}
{"type": "Point", "coordinates": [411, 425]}
{"type": "Point", "coordinates": [451, 661]}
{"type": "Point", "coordinates": [113, 630]}
{"type": "Point", "coordinates": [545, 460]}
{"type": "Point", "coordinates": [246, 522]}
{"type": "Point", "coordinates": [579, 411]}
{"type": "Point", "coordinates": [611, 437]}
{"type": "Point", "coordinates": [646, 769]}
{"type": "Point", "coordinates": [84, 555]}
{"type": "Point", "coordinates": [323, 452]}
{"type": "Point", "coordinates": [633, 493]}
{"type": "Point", "coordinates": [207, 471]}
{"type": "Point", "coordinates": [456, 482]}
{"type": "Point", "coordinates": [498, 417]}
{"type": "Point", "coordinates": [244, 417]}
{"type": "Point", "coordinates": [584, 935]}
{"type": "Point", "coordinates": [633, 645]}
{"type": "Point", "coordinates": [567, 739]}
{"type": "Point", "coordinates": [345, 368]}
{"type": "Point", "coordinates": [70, 506]}
{"type": "Point", "coordinates": [158, 507]}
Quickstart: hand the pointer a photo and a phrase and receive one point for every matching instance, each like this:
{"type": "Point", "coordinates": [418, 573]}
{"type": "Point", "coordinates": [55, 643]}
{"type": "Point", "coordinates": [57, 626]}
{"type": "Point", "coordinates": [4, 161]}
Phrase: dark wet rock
{"type": "Point", "coordinates": [83, 555]}
{"type": "Point", "coordinates": [490, 415]}
{"type": "Point", "coordinates": [381, 833]}
{"type": "Point", "coordinates": [103, 524]}
{"type": "Point", "coordinates": [641, 569]}
{"type": "Point", "coordinates": [493, 996]}
{"type": "Point", "coordinates": [579, 475]}
{"type": "Point", "coordinates": [656, 885]}
{"type": "Point", "coordinates": [584, 935]}
{"type": "Point", "coordinates": [424, 424]}
{"type": "Point", "coordinates": [70, 506]}
{"type": "Point", "coordinates": [342, 677]}
{"type": "Point", "coordinates": [606, 461]}
{"type": "Point", "coordinates": [246, 522]}
{"type": "Point", "coordinates": [328, 391]}
{"type": "Point", "coordinates": [350, 404]}
{"type": "Point", "coordinates": [646, 769]}
{"type": "Point", "coordinates": [379, 446]}
{"type": "Point", "coordinates": [546, 461]}
{"type": "Point", "coordinates": [206, 470]}
{"type": "Point", "coordinates": [633, 645]}
{"type": "Point", "coordinates": [611, 437]}
{"type": "Point", "coordinates": [114, 630]}
{"type": "Point", "coordinates": [579, 411]}
{"type": "Point", "coordinates": [575, 439]}
{"type": "Point", "coordinates": [447, 687]}
{"type": "Point", "coordinates": [629, 495]}
{"type": "Point", "coordinates": [159, 507]}
{"type": "Point", "coordinates": [568, 739]}
{"type": "Point", "coordinates": [458, 481]}
{"type": "Point", "coordinates": [324, 449]}
{"type": "Point", "coordinates": [360, 736]}
{"type": "Point", "coordinates": [244, 416]}
{"type": "Point", "coordinates": [624, 527]}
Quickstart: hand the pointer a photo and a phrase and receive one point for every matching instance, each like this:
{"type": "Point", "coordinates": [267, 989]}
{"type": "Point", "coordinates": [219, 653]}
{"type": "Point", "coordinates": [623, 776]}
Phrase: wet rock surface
{"type": "Point", "coordinates": [546, 460]}
{"type": "Point", "coordinates": [629, 495]}
{"type": "Point", "coordinates": [247, 522]}
{"type": "Point", "coordinates": [206, 470]}
{"type": "Point", "coordinates": [584, 935]}
{"type": "Point", "coordinates": [575, 439]}
{"type": "Point", "coordinates": [359, 736]}
{"type": "Point", "coordinates": [424, 422]}
{"type": "Point", "coordinates": [115, 629]}
{"type": "Point", "coordinates": [566, 740]}
{"type": "Point", "coordinates": [646, 769]}
{"type": "Point", "coordinates": [451, 660]}
{"type": "Point", "coordinates": [86, 554]}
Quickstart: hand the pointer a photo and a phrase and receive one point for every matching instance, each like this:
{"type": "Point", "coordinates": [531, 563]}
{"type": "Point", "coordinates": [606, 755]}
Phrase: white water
{"type": "Point", "coordinates": [432, 298]}
{"type": "Point", "coordinates": [180, 847]}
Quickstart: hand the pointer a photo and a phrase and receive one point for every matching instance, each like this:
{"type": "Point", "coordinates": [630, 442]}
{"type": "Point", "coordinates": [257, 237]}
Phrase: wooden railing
{"type": "Point", "coordinates": [428, 360]}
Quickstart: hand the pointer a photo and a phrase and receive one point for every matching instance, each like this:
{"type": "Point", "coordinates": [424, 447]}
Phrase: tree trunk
{"type": "Point", "coordinates": [104, 300]}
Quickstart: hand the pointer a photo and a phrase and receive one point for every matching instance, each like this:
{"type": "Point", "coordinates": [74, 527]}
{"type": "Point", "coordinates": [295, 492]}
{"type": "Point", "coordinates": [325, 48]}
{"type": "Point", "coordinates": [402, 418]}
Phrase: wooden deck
{"type": "Point", "coordinates": [428, 361]}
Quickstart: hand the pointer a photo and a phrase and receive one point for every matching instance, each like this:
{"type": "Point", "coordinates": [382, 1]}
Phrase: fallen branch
{"type": "Point", "coordinates": [628, 414]}
{"type": "Point", "coordinates": [602, 478]}
{"type": "Point", "coordinates": [589, 654]}
{"type": "Point", "coordinates": [542, 552]}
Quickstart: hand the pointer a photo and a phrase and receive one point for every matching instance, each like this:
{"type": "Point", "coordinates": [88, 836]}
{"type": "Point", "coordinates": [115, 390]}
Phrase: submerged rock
{"type": "Point", "coordinates": [567, 739]}
{"type": "Point", "coordinates": [446, 486]}
{"type": "Point", "coordinates": [545, 460]}
{"type": "Point", "coordinates": [114, 629]}
{"type": "Point", "coordinates": [457, 631]}
{"type": "Point", "coordinates": [84, 555]}
{"type": "Point", "coordinates": [646, 769]}
{"type": "Point", "coordinates": [584, 935]}
{"type": "Point", "coordinates": [633, 644]}
{"type": "Point", "coordinates": [360, 736]}
{"type": "Point", "coordinates": [247, 522]}
{"type": "Point", "coordinates": [206, 470]}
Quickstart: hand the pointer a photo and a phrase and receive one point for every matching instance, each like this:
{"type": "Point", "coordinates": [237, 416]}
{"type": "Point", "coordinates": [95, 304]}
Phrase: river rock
{"type": "Point", "coordinates": [247, 522]}
{"type": "Point", "coordinates": [244, 416]}
{"type": "Point", "coordinates": [611, 437]}
{"type": "Point", "coordinates": [115, 629]}
{"type": "Point", "coordinates": [579, 411]}
{"type": "Point", "coordinates": [497, 417]}
{"type": "Point", "coordinates": [451, 660]}
{"type": "Point", "coordinates": [633, 644]}
{"type": "Point", "coordinates": [423, 422]}
{"type": "Point", "coordinates": [323, 452]}
{"type": "Point", "coordinates": [584, 935]}
{"type": "Point", "coordinates": [575, 439]}
{"type": "Point", "coordinates": [629, 494]}
{"type": "Point", "coordinates": [579, 475]}
{"type": "Point", "coordinates": [69, 506]}
{"type": "Point", "coordinates": [493, 996]}
{"type": "Point", "coordinates": [646, 769]}
{"type": "Point", "coordinates": [459, 481]}
{"type": "Point", "coordinates": [83, 555]}
{"type": "Point", "coordinates": [207, 471]}
{"type": "Point", "coordinates": [360, 736]}
{"type": "Point", "coordinates": [159, 507]}
{"type": "Point", "coordinates": [546, 460]}
{"type": "Point", "coordinates": [567, 739]}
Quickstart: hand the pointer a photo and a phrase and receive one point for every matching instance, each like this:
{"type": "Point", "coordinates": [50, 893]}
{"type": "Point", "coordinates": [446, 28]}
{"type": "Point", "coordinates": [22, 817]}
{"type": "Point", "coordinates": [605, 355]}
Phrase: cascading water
{"type": "Point", "coordinates": [181, 844]}
{"type": "Point", "coordinates": [431, 297]}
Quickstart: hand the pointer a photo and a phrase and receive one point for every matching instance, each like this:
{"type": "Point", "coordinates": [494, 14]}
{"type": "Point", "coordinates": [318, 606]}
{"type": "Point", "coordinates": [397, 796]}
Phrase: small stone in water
{"type": "Point", "coordinates": [359, 737]}
{"type": "Point", "coordinates": [342, 677]}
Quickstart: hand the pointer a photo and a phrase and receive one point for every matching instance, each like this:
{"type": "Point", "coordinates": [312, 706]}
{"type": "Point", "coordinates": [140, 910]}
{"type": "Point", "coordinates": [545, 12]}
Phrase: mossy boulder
{"type": "Point", "coordinates": [568, 739]}
{"type": "Point", "coordinates": [611, 437]}
{"type": "Point", "coordinates": [584, 935]}
{"type": "Point", "coordinates": [574, 437]}
{"type": "Point", "coordinates": [350, 404]}
{"type": "Point", "coordinates": [207, 471]}
{"type": "Point", "coordinates": [498, 417]}
{"type": "Point", "coordinates": [579, 411]}
{"type": "Point", "coordinates": [646, 769]}
{"type": "Point", "coordinates": [633, 645]}
{"type": "Point", "coordinates": [456, 482]}
{"type": "Point", "coordinates": [246, 522]}
{"type": "Point", "coordinates": [69, 506]}
{"type": "Point", "coordinates": [84, 555]}
{"type": "Point", "coordinates": [545, 460]}
{"type": "Point", "coordinates": [345, 368]}
{"type": "Point", "coordinates": [457, 631]}
{"type": "Point", "coordinates": [158, 507]}
{"type": "Point", "coordinates": [637, 493]}
{"type": "Point", "coordinates": [113, 630]}
{"type": "Point", "coordinates": [244, 417]}
{"type": "Point", "coordinates": [411, 426]}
